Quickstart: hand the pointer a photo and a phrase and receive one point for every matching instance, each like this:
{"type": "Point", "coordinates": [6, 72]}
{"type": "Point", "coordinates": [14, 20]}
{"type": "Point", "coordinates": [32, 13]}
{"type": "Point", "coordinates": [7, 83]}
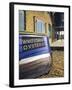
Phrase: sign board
{"type": "Point", "coordinates": [33, 45]}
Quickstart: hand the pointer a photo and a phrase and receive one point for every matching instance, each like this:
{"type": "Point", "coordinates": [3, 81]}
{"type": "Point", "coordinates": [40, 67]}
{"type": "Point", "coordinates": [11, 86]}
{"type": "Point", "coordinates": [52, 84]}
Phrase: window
{"type": "Point", "coordinates": [22, 20]}
{"type": "Point", "coordinates": [40, 26]}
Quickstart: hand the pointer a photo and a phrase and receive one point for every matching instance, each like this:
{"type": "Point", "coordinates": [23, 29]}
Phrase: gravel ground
{"type": "Point", "coordinates": [57, 69]}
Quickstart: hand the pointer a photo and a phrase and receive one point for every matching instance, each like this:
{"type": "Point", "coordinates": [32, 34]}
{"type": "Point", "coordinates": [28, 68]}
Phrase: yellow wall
{"type": "Point", "coordinates": [44, 16]}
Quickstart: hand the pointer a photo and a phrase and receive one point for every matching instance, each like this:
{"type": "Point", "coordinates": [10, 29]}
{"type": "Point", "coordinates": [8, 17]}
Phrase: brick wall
{"type": "Point", "coordinates": [34, 15]}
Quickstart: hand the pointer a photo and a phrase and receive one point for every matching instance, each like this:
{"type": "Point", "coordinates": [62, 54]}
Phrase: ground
{"type": "Point", "coordinates": [57, 43]}
{"type": "Point", "coordinates": [57, 69]}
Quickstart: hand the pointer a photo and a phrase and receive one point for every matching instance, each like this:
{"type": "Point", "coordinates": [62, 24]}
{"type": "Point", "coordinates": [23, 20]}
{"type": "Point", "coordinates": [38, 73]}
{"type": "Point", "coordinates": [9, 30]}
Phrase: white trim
{"type": "Point", "coordinates": [16, 46]}
{"type": "Point", "coordinates": [34, 58]}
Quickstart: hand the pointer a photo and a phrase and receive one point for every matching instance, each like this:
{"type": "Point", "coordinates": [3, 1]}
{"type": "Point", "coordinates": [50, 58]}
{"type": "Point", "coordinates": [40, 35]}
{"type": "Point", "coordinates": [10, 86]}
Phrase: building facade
{"type": "Point", "coordinates": [50, 24]}
{"type": "Point", "coordinates": [34, 22]}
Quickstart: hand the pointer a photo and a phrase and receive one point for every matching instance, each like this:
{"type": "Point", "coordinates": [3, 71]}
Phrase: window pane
{"type": "Point", "coordinates": [43, 27]}
{"type": "Point", "coordinates": [40, 26]}
{"type": "Point", "coordinates": [21, 20]}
